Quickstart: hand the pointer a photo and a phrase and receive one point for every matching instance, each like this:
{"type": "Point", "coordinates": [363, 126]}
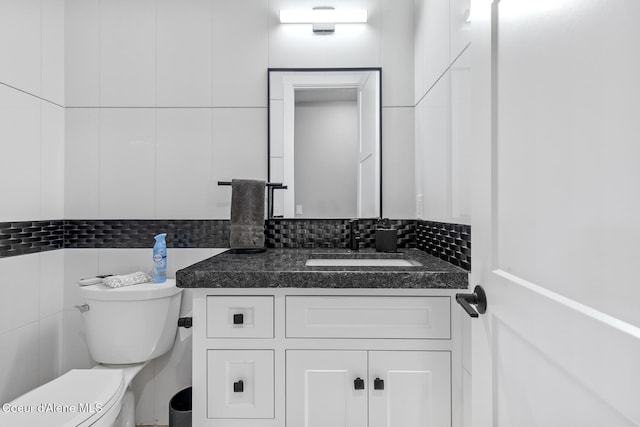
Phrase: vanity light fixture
{"type": "Point", "coordinates": [324, 18]}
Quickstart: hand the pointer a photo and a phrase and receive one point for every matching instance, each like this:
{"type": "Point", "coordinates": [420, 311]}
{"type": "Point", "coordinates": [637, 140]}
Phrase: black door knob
{"type": "Point", "coordinates": [358, 384]}
{"type": "Point", "coordinates": [378, 384]}
{"type": "Point", "coordinates": [238, 386]}
{"type": "Point", "coordinates": [238, 319]}
{"type": "Point", "coordinates": [477, 298]}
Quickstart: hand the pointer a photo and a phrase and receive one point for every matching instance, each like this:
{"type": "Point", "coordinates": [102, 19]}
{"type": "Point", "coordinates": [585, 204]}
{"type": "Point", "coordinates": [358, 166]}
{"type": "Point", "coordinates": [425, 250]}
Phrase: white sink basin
{"type": "Point", "coordinates": [360, 262]}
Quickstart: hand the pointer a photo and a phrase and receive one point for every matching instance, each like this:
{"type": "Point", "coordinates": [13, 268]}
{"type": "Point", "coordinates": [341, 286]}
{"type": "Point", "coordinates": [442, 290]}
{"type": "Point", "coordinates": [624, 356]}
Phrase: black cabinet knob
{"type": "Point", "coordinates": [358, 384]}
{"type": "Point", "coordinates": [238, 319]}
{"type": "Point", "coordinates": [238, 386]}
{"type": "Point", "coordinates": [378, 384]}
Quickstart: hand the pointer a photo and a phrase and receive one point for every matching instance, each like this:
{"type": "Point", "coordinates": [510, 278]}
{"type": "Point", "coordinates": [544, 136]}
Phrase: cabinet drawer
{"type": "Point", "coordinates": [239, 317]}
{"type": "Point", "coordinates": [368, 317]}
{"type": "Point", "coordinates": [240, 384]}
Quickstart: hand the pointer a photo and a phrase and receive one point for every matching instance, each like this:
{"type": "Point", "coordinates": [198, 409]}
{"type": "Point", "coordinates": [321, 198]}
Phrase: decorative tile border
{"type": "Point", "coordinates": [450, 242]}
{"type": "Point", "coordinates": [331, 233]}
{"type": "Point", "coordinates": [28, 237]}
{"type": "Point", "coordinates": [139, 233]}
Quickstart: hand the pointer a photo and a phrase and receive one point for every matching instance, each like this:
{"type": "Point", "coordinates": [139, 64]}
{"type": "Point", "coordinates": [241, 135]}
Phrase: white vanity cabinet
{"type": "Point", "coordinates": [368, 388]}
{"type": "Point", "coordinates": [290, 357]}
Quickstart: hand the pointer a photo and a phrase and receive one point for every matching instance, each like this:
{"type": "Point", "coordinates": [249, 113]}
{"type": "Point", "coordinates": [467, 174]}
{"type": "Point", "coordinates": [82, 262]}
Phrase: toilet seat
{"type": "Point", "coordinates": [78, 398]}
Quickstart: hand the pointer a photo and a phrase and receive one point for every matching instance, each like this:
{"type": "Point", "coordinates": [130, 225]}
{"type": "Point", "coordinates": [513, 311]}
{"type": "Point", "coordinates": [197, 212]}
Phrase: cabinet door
{"type": "Point", "coordinates": [416, 389]}
{"type": "Point", "coordinates": [321, 388]}
{"type": "Point", "coordinates": [240, 384]}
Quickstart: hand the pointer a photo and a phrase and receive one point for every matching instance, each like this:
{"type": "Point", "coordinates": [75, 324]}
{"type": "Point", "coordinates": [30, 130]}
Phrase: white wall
{"type": "Point", "coordinates": [442, 99]}
{"type": "Point", "coordinates": [32, 188]}
{"type": "Point", "coordinates": [166, 97]}
{"type": "Point", "coordinates": [182, 62]}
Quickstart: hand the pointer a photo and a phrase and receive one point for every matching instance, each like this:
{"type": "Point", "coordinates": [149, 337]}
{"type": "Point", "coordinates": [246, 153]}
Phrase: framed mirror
{"type": "Point", "coordinates": [325, 142]}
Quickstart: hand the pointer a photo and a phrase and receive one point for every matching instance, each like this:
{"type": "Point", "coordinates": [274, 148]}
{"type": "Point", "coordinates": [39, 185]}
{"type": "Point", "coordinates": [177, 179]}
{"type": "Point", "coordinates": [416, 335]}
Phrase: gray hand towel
{"type": "Point", "coordinates": [247, 214]}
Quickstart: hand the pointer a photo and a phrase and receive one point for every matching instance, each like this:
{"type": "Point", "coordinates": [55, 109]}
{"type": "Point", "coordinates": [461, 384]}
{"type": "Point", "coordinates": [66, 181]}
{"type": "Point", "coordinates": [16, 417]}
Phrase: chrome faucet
{"type": "Point", "coordinates": [354, 235]}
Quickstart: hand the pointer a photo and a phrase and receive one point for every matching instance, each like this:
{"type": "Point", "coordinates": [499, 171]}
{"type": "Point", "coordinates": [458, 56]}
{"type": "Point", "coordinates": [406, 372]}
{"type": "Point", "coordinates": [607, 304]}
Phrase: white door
{"type": "Point", "coordinates": [556, 213]}
{"type": "Point", "coordinates": [409, 388]}
{"type": "Point", "coordinates": [321, 388]}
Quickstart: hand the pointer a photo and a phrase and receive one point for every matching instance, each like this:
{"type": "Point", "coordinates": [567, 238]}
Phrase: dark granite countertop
{"type": "Point", "coordinates": [285, 268]}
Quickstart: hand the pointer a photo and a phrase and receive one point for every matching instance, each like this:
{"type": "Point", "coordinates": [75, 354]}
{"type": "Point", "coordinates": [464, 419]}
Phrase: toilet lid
{"type": "Point", "coordinates": [76, 398]}
{"type": "Point", "coordinates": [142, 291]}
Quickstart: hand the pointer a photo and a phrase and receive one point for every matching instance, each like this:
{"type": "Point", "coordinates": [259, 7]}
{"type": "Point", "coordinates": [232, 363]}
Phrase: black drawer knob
{"type": "Point", "coordinates": [378, 384]}
{"type": "Point", "coordinates": [238, 386]}
{"type": "Point", "coordinates": [358, 384]}
{"type": "Point", "coordinates": [238, 319]}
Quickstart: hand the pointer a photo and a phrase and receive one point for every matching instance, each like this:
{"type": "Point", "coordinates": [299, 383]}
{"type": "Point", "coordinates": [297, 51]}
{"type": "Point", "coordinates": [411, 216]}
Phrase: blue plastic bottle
{"type": "Point", "coordinates": [160, 259]}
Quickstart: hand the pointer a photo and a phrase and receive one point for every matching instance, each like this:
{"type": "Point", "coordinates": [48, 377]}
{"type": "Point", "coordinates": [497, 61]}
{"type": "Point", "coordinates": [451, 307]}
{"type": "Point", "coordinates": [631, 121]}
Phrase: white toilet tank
{"type": "Point", "coordinates": [131, 324]}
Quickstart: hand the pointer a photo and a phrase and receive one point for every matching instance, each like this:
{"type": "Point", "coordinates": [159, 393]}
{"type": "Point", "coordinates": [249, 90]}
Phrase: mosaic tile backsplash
{"type": "Point", "coordinates": [139, 233]}
{"type": "Point", "coordinates": [450, 242]}
{"type": "Point", "coordinates": [28, 237]}
{"type": "Point", "coordinates": [331, 233]}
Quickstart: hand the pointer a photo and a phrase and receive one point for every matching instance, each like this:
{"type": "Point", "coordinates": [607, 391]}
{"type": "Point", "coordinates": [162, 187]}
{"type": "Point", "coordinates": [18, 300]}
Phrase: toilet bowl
{"type": "Point", "coordinates": [125, 329]}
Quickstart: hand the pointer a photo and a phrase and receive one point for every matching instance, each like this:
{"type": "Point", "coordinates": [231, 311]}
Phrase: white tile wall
{"type": "Point", "coordinates": [431, 44]}
{"type": "Point", "coordinates": [19, 295]}
{"type": "Point", "coordinates": [82, 163]}
{"type": "Point", "coordinates": [78, 264]}
{"type": "Point", "coordinates": [50, 347]}
{"type": "Point", "coordinates": [442, 109]}
{"type": "Point", "coordinates": [397, 53]}
{"type": "Point", "coordinates": [32, 186]}
{"type": "Point", "coordinates": [184, 68]}
{"type": "Point", "coordinates": [184, 183]}
{"type": "Point", "coordinates": [53, 51]}
{"type": "Point", "coordinates": [240, 53]}
{"type": "Point", "coordinates": [239, 150]}
{"type": "Point", "coordinates": [30, 321]}
{"type": "Point", "coordinates": [82, 53]}
{"type": "Point", "coordinates": [20, 44]}
{"type": "Point", "coordinates": [127, 162]}
{"type": "Point", "coordinates": [52, 153]}
{"type": "Point", "coordinates": [124, 261]}
{"type": "Point", "coordinates": [19, 141]}
{"type": "Point", "coordinates": [459, 28]}
{"type": "Point", "coordinates": [128, 53]}
{"type": "Point", "coordinates": [51, 283]}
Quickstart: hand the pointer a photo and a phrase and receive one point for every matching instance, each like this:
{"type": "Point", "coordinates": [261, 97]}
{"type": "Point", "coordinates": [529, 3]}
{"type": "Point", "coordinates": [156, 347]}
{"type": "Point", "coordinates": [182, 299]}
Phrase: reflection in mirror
{"type": "Point", "coordinates": [324, 142]}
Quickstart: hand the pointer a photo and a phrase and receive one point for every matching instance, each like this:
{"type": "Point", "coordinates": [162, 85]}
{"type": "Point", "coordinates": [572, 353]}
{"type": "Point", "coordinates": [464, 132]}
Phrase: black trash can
{"type": "Point", "coordinates": [180, 409]}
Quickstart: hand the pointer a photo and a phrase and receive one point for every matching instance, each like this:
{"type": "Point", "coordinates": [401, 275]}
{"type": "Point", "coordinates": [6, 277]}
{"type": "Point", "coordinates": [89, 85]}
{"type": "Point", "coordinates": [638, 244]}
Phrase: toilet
{"type": "Point", "coordinates": [125, 329]}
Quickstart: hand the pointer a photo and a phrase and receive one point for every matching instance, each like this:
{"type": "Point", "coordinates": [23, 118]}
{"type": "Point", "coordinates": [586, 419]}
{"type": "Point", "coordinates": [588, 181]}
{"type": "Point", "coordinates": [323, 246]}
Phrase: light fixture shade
{"type": "Point", "coordinates": [321, 16]}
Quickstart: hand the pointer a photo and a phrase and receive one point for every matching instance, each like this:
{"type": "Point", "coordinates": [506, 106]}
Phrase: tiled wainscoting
{"type": "Point", "coordinates": [450, 242]}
